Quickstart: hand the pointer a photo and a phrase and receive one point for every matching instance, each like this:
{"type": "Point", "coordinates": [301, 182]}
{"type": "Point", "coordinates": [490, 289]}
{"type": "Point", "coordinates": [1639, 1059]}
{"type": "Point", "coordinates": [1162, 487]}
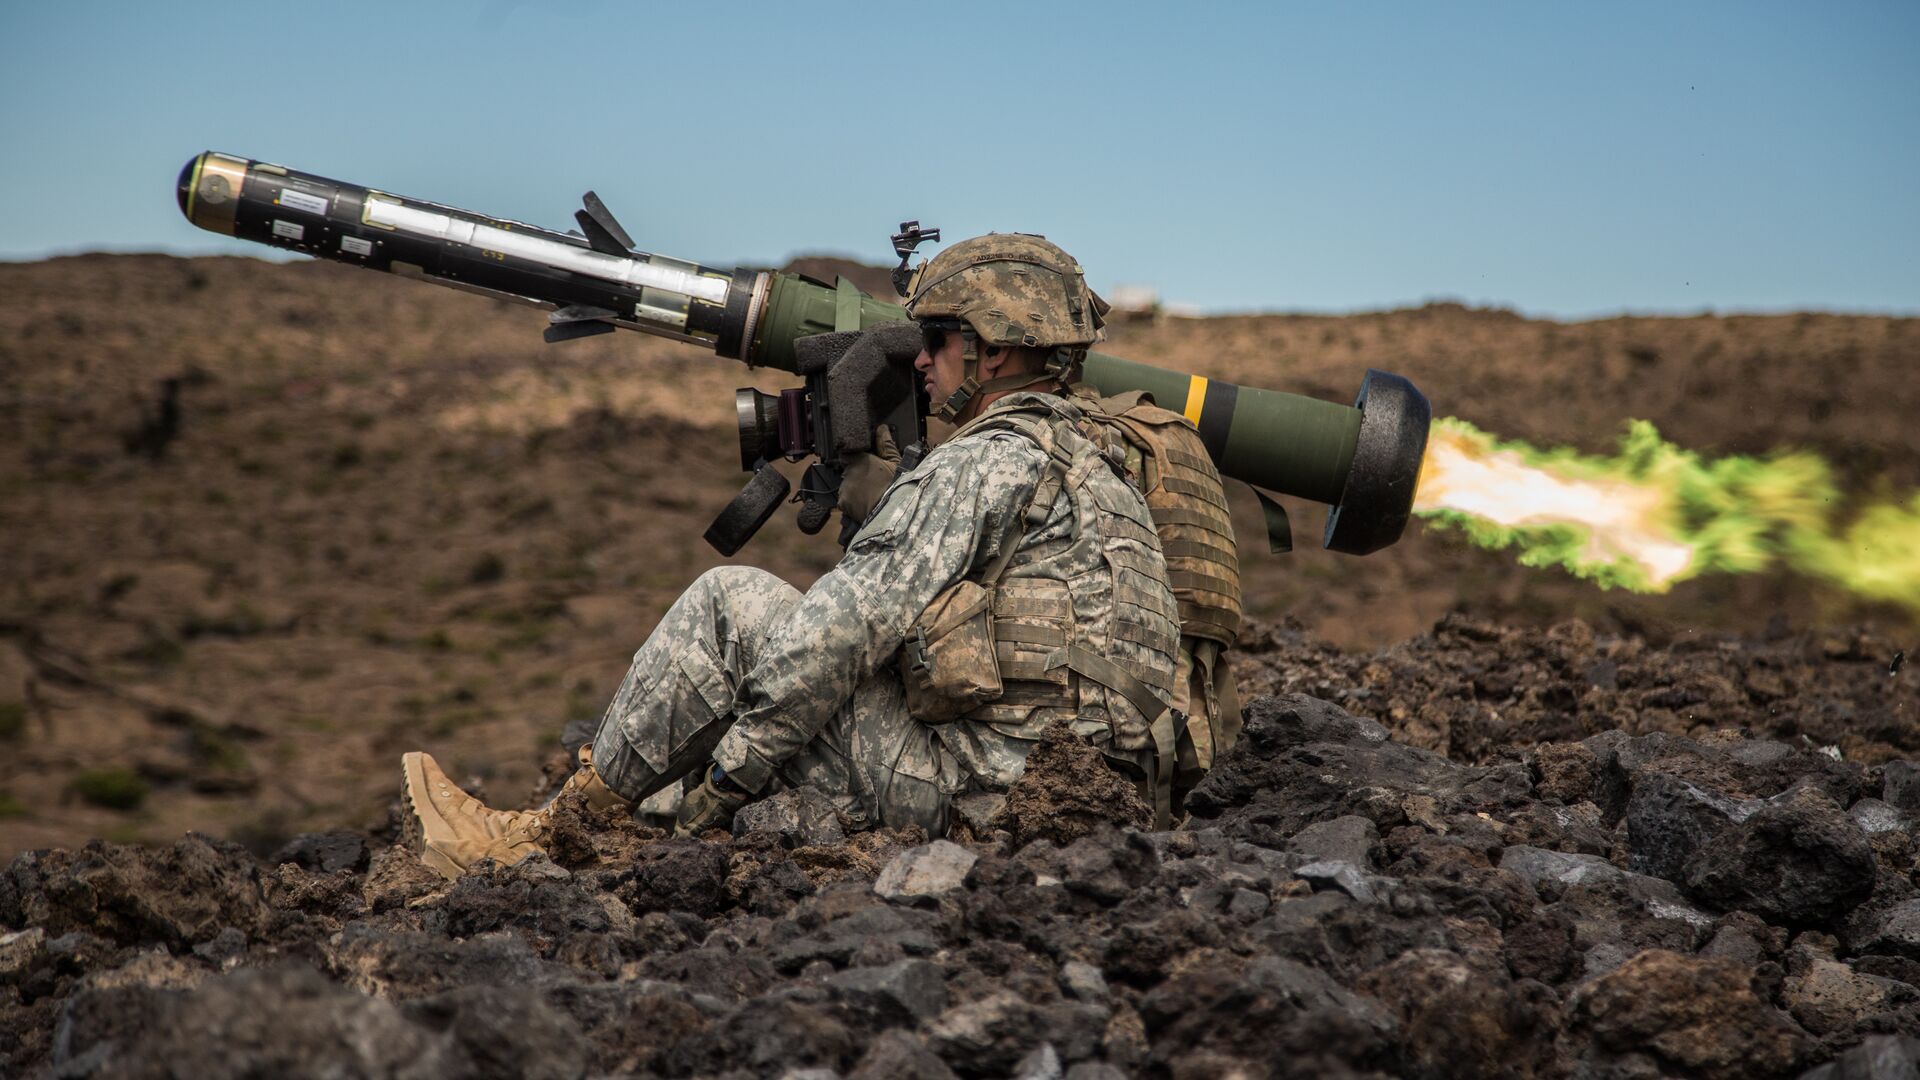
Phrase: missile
{"type": "Point", "coordinates": [1362, 459]}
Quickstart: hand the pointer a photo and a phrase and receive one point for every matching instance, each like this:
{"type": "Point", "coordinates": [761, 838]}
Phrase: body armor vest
{"type": "Point", "coordinates": [1189, 508]}
{"type": "Point", "coordinates": [1081, 626]}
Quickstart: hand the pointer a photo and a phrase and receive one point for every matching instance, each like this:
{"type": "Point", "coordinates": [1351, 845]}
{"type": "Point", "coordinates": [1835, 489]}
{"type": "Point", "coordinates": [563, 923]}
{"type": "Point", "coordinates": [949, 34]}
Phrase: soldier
{"type": "Point", "coordinates": [1013, 578]}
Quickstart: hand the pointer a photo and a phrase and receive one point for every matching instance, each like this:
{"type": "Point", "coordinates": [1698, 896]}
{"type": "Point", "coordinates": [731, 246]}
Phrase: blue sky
{"type": "Point", "coordinates": [1562, 159]}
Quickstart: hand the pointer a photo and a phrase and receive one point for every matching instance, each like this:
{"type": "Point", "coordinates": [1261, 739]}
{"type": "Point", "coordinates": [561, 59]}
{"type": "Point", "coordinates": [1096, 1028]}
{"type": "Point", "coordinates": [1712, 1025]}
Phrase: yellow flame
{"type": "Point", "coordinates": [1621, 519]}
{"type": "Point", "coordinates": [1656, 513]}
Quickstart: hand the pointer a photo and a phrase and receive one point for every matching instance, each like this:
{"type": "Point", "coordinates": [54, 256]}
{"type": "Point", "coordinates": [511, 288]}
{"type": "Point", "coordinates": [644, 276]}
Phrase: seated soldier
{"type": "Point", "coordinates": [879, 685]}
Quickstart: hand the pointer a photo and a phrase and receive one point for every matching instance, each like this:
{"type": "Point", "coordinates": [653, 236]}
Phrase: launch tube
{"type": "Point", "coordinates": [1363, 459]}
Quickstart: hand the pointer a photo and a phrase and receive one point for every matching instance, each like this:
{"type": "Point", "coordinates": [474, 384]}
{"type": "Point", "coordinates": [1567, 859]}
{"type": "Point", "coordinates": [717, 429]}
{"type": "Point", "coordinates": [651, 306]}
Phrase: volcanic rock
{"type": "Point", "coordinates": [1686, 1013]}
{"type": "Point", "coordinates": [1066, 791]}
{"type": "Point", "coordinates": [800, 817]}
{"type": "Point", "coordinates": [1341, 904]}
{"type": "Point", "coordinates": [1796, 859]}
{"type": "Point", "coordinates": [326, 853]}
{"type": "Point", "coordinates": [1880, 1057]}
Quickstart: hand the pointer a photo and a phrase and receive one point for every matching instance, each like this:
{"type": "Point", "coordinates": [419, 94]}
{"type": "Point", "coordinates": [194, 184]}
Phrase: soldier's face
{"type": "Point", "coordinates": [942, 368]}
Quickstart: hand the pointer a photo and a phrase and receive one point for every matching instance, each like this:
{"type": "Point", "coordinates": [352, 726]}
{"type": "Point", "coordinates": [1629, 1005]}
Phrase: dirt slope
{"type": "Point", "coordinates": [388, 516]}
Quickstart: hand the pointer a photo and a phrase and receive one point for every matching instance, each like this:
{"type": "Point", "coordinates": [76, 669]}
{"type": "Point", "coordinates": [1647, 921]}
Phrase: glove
{"type": "Point", "coordinates": [868, 476]}
{"type": "Point", "coordinates": [711, 805]}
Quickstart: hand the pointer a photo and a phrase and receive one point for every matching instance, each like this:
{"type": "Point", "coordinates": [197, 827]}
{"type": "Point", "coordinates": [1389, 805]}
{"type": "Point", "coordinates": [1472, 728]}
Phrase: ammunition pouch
{"type": "Point", "coordinates": [948, 661]}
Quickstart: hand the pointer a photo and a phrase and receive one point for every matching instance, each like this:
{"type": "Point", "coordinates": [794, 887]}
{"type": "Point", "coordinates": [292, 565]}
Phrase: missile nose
{"type": "Point", "coordinates": [184, 187]}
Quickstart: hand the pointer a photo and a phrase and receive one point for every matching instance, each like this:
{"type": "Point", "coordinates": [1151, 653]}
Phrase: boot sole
{"type": "Point", "coordinates": [425, 828]}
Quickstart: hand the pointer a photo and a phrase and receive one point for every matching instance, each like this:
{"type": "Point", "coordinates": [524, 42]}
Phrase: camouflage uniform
{"type": "Point", "coordinates": [805, 687]}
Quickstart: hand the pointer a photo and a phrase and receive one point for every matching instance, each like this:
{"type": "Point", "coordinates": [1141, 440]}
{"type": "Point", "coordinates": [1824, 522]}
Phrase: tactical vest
{"type": "Point", "coordinates": [1189, 507]}
{"type": "Point", "coordinates": [1082, 626]}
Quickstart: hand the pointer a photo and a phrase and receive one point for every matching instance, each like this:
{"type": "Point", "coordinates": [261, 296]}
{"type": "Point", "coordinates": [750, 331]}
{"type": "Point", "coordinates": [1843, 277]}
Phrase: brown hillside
{"type": "Point", "coordinates": [390, 517]}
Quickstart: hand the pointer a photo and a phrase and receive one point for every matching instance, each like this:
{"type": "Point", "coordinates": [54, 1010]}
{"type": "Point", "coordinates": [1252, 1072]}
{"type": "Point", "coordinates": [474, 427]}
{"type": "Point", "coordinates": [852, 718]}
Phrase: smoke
{"type": "Point", "coordinates": [1656, 514]}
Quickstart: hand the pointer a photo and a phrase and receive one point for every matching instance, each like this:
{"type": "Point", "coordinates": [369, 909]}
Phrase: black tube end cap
{"type": "Point", "coordinates": [183, 187]}
{"type": "Point", "coordinates": [1377, 500]}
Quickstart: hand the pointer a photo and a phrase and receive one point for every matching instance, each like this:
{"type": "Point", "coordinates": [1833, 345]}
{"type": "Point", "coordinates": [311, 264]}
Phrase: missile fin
{"type": "Point", "coordinates": [604, 233]}
{"type": "Point", "coordinates": [579, 313]}
{"type": "Point", "coordinates": [558, 333]}
{"type": "Point", "coordinates": [577, 321]}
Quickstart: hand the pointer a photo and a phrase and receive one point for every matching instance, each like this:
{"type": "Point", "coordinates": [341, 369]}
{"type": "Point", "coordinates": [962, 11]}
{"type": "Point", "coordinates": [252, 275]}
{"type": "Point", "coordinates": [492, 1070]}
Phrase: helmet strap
{"type": "Point", "coordinates": [1057, 370]}
{"type": "Point", "coordinates": [957, 402]}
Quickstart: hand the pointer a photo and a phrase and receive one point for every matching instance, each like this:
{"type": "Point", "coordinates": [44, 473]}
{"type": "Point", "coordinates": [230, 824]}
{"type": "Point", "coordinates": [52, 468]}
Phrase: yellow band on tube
{"type": "Point", "coordinates": [1196, 397]}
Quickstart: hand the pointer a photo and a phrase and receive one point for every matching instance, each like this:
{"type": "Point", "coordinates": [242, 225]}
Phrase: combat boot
{"type": "Point", "coordinates": [452, 830]}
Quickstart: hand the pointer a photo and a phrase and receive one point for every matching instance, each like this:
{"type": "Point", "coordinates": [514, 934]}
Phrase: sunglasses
{"type": "Point", "coordinates": [934, 338]}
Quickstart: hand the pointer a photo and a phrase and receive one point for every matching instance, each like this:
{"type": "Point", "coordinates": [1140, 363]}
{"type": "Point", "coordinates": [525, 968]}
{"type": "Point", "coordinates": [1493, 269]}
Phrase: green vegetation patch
{"type": "Point", "coordinates": [114, 788]}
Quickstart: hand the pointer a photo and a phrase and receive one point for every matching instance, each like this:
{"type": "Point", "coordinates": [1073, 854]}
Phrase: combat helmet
{"type": "Point", "coordinates": [1008, 289]}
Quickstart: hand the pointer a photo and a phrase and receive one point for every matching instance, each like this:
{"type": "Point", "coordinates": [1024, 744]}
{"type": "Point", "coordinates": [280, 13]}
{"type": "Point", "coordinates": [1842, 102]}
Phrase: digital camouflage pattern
{"type": "Point", "coordinates": [811, 682]}
{"type": "Point", "coordinates": [1189, 506]}
{"type": "Point", "coordinates": [1013, 289]}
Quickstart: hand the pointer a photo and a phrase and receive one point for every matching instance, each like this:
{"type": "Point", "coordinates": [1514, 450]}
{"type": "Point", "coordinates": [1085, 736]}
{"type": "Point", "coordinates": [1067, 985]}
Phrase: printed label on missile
{"type": "Point", "coordinates": [289, 230]}
{"type": "Point", "coordinates": [353, 245]}
{"type": "Point", "coordinates": [303, 202]}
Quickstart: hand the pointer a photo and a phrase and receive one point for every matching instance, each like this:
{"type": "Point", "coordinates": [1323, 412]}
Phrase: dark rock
{"type": "Point", "coordinates": [1344, 876]}
{"type": "Point", "coordinates": [1880, 1057]}
{"type": "Point", "coordinates": [1543, 948]}
{"type": "Point", "coordinates": [1797, 860]}
{"type": "Point", "coordinates": [20, 951]}
{"type": "Point", "coordinates": [895, 1055]}
{"type": "Point", "coordinates": [771, 887]}
{"type": "Point", "coordinates": [905, 992]}
{"type": "Point", "coordinates": [1352, 839]}
{"type": "Point", "coordinates": [1561, 868]}
{"type": "Point", "coordinates": [284, 1021]}
{"type": "Point", "coordinates": [678, 875]}
{"type": "Point", "coordinates": [402, 965]}
{"type": "Point", "coordinates": [764, 1036]}
{"type": "Point", "coordinates": [1219, 1018]}
{"type": "Point", "coordinates": [325, 852]}
{"type": "Point", "coordinates": [988, 1036]}
{"type": "Point", "coordinates": [1896, 931]}
{"type": "Point", "coordinates": [1301, 760]}
{"type": "Point", "coordinates": [1566, 772]}
{"type": "Point", "coordinates": [1900, 786]}
{"type": "Point", "coordinates": [1106, 865]}
{"type": "Point", "coordinates": [176, 896]}
{"type": "Point", "coordinates": [1670, 820]}
{"type": "Point", "coordinates": [800, 817]}
{"type": "Point", "coordinates": [837, 940]}
{"type": "Point", "coordinates": [223, 948]}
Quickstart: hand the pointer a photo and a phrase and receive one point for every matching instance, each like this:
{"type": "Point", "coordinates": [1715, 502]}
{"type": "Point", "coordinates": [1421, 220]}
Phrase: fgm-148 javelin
{"type": "Point", "coordinates": [1363, 460]}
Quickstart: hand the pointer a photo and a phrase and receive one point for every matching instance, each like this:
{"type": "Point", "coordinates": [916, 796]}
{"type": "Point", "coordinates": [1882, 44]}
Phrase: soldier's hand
{"type": "Point", "coordinates": [868, 476]}
{"type": "Point", "coordinates": [711, 805]}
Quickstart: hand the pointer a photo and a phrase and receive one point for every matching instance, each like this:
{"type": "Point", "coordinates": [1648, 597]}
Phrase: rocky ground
{"type": "Point", "coordinates": [1597, 882]}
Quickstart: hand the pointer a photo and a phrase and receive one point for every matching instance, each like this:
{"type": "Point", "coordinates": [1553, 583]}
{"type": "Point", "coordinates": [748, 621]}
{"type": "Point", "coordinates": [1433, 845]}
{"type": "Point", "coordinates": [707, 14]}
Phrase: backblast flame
{"type": "Point", "coordinates": [1618, 519]}
{"type": "Point", "coordinates": [1655, 514]}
